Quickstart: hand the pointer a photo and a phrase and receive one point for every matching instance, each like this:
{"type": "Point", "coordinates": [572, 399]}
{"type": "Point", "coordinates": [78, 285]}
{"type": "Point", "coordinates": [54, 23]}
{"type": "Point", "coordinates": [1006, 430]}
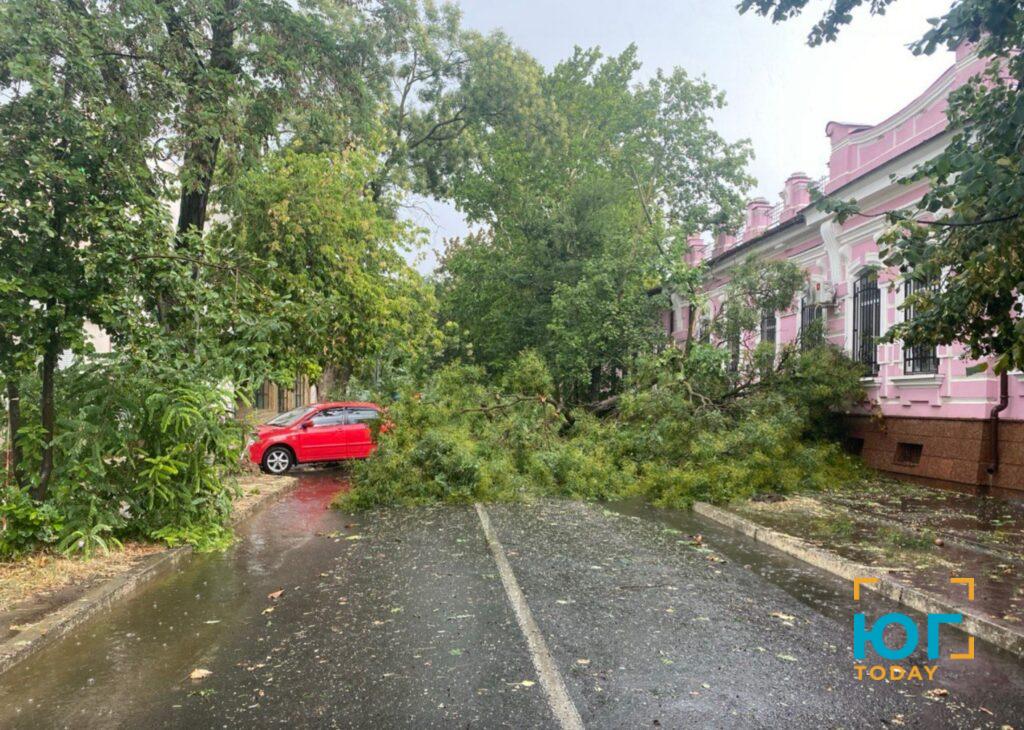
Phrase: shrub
{"type": "Point", "coordinates": [25, 524]}
{"type": "Point", "coordinates": [143, 451]}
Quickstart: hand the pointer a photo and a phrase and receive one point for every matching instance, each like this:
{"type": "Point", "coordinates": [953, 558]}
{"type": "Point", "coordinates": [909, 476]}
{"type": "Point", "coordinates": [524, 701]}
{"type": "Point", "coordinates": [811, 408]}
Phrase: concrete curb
{"type": "Point", "coordinates": [60, 622]}
{"type": "Point", "coordinates": [974, 623]}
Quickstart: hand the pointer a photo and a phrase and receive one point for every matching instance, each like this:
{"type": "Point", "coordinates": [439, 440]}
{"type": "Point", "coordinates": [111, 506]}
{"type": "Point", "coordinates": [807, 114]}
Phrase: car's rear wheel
{"type": "Point", "coordinates": [277, 460]}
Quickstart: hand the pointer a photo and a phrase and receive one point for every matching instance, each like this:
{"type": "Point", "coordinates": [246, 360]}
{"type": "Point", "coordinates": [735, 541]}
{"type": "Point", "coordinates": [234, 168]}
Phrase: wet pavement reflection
{"type": "Point", "coordinates": [398, 618]}
{"type": "Point", "coordinates": [131, 656]}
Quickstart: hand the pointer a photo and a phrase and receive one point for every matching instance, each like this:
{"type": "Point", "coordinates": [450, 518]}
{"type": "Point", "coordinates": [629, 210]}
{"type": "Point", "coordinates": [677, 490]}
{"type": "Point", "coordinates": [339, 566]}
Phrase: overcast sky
{"type": "Point", "coordinates": [780, 92]}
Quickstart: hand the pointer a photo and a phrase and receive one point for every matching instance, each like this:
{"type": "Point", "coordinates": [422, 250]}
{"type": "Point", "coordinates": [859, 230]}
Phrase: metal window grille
{"type": "Point", "coordinates": [867, 315]}
{"type": "Point", "coordinates": [811, 332]}
{"type": "Point", "coordinates": [918, 358]}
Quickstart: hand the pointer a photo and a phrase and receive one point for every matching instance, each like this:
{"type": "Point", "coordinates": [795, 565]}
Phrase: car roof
{"type": "Point", "coordinates": [347, 404]}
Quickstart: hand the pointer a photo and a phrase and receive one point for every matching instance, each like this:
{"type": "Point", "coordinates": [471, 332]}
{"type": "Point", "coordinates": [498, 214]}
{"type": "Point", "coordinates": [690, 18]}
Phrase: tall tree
{"type": "Point", "coordinates": [329, 255]}
{"type": "Point", "coordinates": [76, 193]}
{"type": "Point", "coordinates": [586, 203]}
{"type": "Point", "coordinates": [962, 238]}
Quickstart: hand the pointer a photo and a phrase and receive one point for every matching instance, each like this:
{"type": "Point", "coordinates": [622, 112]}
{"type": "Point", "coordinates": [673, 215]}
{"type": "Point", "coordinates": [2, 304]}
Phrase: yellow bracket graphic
{"type": "Point", "coordinates": [858, 582]}
{"type": "Point", "coordinates": [969, 654]}
{"type": "Point", "coordinates": [969, 582]}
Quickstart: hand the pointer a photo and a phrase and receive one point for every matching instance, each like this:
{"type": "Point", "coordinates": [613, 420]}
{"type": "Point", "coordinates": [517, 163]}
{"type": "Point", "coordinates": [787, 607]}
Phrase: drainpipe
{"type": "Point", "coordinates": [1004, 401]}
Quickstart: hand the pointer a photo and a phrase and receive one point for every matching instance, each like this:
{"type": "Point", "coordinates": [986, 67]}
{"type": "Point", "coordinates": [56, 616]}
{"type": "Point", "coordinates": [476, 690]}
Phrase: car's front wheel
{"type": "Point", "coordinates": [277, 460]}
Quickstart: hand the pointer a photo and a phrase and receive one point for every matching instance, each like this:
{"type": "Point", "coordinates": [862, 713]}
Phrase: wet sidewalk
{"type": "Point", "coordinates": [921, 536]}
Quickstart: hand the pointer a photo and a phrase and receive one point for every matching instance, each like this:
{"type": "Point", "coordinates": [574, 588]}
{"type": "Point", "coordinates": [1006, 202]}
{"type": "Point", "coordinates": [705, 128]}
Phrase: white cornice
{"type": "Point", "coordinates": [773, 243]}
{"type": "Point", "coordinates": [917, 380]}
{"type": "Point", "coordinates": [938, 89]}
{"type": "Point", "coordinates": [876, 186]}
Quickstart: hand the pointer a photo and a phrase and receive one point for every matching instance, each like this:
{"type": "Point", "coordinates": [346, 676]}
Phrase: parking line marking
{"type": "Point", "coordinates": [550, 680]}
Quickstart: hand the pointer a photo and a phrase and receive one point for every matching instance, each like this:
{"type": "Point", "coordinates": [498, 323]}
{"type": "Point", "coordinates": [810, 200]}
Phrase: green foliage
{"type": "Point", "coordinates": [333, 278]}
{"type": "Point", "coordinates": [25, 524]}
{"type": "Point", "coordinates": [684, 430]}
{"type": "Point", "coordinates": [203, 537]}
{"type": "Point", "coordinates": [461, 439]}
{"type": "Point", "coordinates": [145, 451]}
{"type": "Point", "coordinates": [704, 433]}
{"type": "Point", "coordinates": [587, 197]}
{"type": "Point", "coordinates": [756, 287]}
{"type": "Point", "coordinates": [304, 270]}
{"type": "Point", "coordinates": [85, 540]}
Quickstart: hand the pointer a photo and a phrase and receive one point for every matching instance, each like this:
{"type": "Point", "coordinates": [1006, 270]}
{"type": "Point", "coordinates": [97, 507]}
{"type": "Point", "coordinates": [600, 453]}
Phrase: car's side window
{"type": "Point", "coordinates": [329, 417]}
{"type": "Point", "coordinates": [362, 415]}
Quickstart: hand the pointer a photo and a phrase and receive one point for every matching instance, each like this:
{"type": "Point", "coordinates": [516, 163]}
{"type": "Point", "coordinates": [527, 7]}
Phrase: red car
{"type": "Point", "coordinates": [321, 432]}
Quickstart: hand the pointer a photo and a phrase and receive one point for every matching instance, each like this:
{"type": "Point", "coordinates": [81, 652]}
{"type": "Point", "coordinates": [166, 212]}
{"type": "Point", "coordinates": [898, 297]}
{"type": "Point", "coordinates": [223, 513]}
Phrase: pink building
{"type": "Point", "coordinates": [938, 422]}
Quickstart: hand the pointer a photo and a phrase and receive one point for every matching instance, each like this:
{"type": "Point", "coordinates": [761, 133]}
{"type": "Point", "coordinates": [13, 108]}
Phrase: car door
{"type": "Point", "coordinates": [358, 433]}
{"type": "Point", "coordinates": [323, 439]}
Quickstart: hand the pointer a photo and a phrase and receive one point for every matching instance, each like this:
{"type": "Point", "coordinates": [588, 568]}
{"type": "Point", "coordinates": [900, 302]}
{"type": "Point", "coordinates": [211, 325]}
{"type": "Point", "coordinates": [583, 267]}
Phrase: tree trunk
{"type": "Point", "coordinates": [344, 375]}
{"type": "Point", "coordinates": [325, 384]}
{"type": "Point", "coordinates": [201, 153]}
{"type": "Point", "coordinates": [595, 383]}
{"type": "Point", "coordinates": [201, 156]}
{"type": "Point", "coordinates": [14, 450]}
{"type": "Point", "coordinates": [47, 414]}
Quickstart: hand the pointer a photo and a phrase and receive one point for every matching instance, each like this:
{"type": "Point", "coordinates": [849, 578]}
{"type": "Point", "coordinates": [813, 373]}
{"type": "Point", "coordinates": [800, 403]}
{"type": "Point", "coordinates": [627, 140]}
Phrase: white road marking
{"type": "Point", "coordinates": [550, 680]}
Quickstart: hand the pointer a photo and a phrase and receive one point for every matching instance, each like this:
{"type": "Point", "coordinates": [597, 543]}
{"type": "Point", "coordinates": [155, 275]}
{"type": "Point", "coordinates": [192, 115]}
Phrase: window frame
{"type": "Point", "coordinates": [867, 320]}
{"type": "Point", "coordinates": [918, 359]}
{"type": "Point", "coordinates": [352, 410]}
{"type": "Point", "coordinates": [769, 325]}
{"type": "Point", "coordinates": [817, 314]}
{"type": "Point", "coordinates": [259, 401]}
{"type": "Point", "coordinates": [341, 416]}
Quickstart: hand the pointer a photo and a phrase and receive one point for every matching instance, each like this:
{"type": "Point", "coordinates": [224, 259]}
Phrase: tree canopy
{"type": "Point", "coordinates": [585, 202]}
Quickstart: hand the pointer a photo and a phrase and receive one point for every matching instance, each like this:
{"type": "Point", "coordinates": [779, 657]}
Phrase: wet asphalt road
{"type": "Point", "coordinates": [399, 619]}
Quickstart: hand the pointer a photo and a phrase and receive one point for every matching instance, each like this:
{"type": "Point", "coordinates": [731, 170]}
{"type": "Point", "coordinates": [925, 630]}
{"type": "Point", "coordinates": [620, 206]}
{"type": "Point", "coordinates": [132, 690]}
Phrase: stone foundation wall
{"type": "Point", "coordinates": [943, 451]}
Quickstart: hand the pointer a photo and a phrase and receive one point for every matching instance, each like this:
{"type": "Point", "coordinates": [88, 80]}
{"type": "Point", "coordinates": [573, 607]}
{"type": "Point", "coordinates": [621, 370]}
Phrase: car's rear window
{"type": "Point", "coordinates": [361, 415]}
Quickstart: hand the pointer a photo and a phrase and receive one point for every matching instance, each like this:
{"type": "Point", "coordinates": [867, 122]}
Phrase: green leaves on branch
{"type": "Point", "coordinates": [683, 431]}
{"type": "Point", "coordinates": [586, 199]}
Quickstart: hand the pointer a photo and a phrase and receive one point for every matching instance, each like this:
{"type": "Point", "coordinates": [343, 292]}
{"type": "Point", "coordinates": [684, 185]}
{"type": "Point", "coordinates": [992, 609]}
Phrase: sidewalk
{"type": "Point", "coordinates": [918, 536]}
